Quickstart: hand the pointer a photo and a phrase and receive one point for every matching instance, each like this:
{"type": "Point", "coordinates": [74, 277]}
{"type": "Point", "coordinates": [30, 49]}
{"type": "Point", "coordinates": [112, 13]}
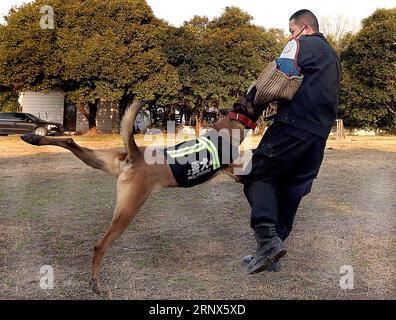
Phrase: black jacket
{"type": "Point", "coordinates": [314, 107]}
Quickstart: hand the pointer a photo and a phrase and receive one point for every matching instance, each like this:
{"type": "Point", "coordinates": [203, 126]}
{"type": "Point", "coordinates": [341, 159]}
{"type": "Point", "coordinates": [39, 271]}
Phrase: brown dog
{"type": "Point", "coordinates": [136, 179]}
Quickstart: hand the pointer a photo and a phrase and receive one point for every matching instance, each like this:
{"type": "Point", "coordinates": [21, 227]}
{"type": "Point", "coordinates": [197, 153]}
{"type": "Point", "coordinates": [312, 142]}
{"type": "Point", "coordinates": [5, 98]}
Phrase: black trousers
{"type": "Point", "coordinates": [283, 168]}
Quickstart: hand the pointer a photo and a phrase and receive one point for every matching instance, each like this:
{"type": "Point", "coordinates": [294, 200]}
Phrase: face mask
{"type": "Point", "coordinates": [300, 31]}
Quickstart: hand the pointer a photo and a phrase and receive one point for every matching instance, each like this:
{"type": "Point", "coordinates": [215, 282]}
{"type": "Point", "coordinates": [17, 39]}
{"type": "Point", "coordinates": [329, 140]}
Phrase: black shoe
{"type": "Point", "coordinates": [274, 267]}
{"type": "Point", "coordinates": [247, 259]}
{"type": "Point", "coordinates": [270, 248]}
{"type": "Point", "coordinates": [266, 254]}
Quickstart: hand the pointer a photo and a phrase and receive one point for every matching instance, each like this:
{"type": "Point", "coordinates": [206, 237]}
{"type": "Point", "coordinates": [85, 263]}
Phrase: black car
{"type": "Point", "coordinates": [21, 123]}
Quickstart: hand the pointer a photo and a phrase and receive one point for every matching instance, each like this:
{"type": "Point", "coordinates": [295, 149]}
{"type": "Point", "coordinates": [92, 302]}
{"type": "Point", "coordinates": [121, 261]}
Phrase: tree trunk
{"type": "Point", "coordinates": [91, 116]}
{"type": "Point", "coordinates": [197, 123]}
{"type": "Point", "coordinates": [393, 113]}
{"type": "Point", "coordinates": [93, 109]}
{"type": "Point", "coordinates": [123, 105]}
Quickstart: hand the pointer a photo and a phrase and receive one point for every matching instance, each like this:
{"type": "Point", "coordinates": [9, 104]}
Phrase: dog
{"type": "Point", "coordinates": [136, 179]}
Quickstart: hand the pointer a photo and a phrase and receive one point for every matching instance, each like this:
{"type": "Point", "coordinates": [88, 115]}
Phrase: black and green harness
{"type": "Point", "coordinates": [195, 161]}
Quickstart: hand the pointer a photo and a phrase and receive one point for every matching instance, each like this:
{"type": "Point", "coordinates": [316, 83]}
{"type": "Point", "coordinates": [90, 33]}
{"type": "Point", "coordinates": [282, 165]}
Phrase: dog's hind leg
{"type": "Point", "coordinates": [108, 160]}
{"type": "Point", "coordinates": [132, 191]}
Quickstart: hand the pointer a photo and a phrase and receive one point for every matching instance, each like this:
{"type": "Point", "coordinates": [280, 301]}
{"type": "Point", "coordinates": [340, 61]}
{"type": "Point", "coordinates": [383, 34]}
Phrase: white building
{"type": "Point", "coordinates": [52, 106]}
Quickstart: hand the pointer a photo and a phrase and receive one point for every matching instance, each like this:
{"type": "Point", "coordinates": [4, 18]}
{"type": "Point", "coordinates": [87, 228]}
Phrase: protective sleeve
{"type": "Point", "coordinates": [272, 84]}
{"type": "Point", "coordinates": [282, 77]}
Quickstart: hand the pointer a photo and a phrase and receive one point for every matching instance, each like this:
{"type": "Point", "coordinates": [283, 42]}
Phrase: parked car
{"type": "Point", "coordinates": [21, 123]}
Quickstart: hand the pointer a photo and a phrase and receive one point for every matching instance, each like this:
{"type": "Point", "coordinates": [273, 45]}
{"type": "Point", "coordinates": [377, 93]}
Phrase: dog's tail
{"type": "Point", "coordinates": [127, 125]}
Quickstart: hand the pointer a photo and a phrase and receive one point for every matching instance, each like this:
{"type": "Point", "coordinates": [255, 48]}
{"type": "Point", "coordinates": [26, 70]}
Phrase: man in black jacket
{"type": "Point", "coordinates": [289, 156]}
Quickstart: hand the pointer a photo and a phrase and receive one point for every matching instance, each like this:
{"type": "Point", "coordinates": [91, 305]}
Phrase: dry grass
{"type": "Point", "coordinates": [12, 147]}
{"type": "Point", "coordinates": [188, 243]}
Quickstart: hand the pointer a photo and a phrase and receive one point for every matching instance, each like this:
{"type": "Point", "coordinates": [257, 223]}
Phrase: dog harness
{"type": "Point", "coordinates": [195, 161]}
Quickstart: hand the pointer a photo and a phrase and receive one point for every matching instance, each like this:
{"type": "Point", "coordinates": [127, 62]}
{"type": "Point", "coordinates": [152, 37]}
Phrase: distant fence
{"type": "Point", "coordinates": [340, 133]}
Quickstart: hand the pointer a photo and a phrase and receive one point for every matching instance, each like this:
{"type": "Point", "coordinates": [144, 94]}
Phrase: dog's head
{"type": "Point", "coordinates": [245, 105]}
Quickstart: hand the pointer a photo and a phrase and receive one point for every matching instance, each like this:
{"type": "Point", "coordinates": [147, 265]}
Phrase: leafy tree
{"type": "Point", "coordinates": [27, 59]}
{"type": "Point", "coordinates": [113, 51]}
{"type": "Point", "coordinates": [368, 88]}
{"type": "Point", "coordinates": [217, 60]}
{"type": "Point", "coordinates": [118, 50]}
{"type": "Point", "coordinates": [109, 50]}
{"type": "Point", "coordinates": [8, 100]}
{"type": "Point", "coordinates": [24, 55]}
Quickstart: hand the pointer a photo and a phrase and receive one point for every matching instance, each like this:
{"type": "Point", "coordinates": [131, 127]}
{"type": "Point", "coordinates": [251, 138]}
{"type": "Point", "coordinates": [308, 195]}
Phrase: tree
{"type": "Point", "coordinates": [337, 30]}
{"type": "Point", "coordinates": [98, 50]}
{"type": "Point", "coordinates": [217, 60]}
{"type": "Point", "coordinates": [8, 101]}
{"type": "Point", "coordinates": [118, 50]}
{"type": "Point", "coordinates": [368, 87]}
{"type": "Point", "coordinates": [26, 62]}
{"type": "Point", "coordinates": [114, 50]}
{"type": "Point", "coordinates": [27, 52]}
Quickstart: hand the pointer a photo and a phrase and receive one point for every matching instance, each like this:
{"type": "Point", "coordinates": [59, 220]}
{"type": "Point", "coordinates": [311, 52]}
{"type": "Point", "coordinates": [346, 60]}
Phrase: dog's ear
{"type": "Point", "coordinates": [251, 95]}
{"type": "Point", "coordinates": [244, 105]}
{"type": "Point", "coordinates": [239, 106]}
{"type": "Point", "coordinates": [255, 110]}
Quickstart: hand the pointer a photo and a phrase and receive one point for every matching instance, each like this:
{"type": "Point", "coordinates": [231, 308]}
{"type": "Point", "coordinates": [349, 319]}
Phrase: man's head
{"type": "Point", "coordinates": [303, 22]}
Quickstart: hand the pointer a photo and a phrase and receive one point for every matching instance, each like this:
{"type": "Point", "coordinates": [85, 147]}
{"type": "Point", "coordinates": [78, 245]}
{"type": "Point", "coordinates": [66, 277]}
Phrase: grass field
{"type": "Point", "coordinates": [188, 243]}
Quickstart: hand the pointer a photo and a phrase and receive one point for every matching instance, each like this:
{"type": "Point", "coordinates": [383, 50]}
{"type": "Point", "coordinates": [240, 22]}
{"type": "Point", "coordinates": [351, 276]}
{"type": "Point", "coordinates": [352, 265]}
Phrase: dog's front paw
{"type": "Point", "coordinates": [31, 138]}
{"type": "Point", "coordinates": [95, 285]}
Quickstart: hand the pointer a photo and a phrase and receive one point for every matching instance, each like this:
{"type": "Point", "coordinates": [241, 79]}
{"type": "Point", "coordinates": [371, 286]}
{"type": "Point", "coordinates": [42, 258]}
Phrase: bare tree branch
{"type": "Point", "coordinates": [338, 26]}
{"type": "Point", "coordinates": [390, 109]}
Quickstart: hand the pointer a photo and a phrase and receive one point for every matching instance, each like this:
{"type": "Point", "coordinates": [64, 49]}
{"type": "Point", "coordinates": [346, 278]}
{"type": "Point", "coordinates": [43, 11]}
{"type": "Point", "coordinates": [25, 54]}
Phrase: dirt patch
{"type": "Point", "coordinates": [188, 243]}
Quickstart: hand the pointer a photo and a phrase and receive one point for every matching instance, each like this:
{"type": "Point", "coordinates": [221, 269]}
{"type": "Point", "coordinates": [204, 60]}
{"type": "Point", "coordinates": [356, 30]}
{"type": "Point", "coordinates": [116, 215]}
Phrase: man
{"type": "Point", "coordinates": [288, 157]}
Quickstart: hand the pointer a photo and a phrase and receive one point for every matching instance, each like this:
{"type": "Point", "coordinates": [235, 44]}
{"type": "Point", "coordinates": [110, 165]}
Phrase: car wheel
{"type": "Point", "coordinates": [40, 131]}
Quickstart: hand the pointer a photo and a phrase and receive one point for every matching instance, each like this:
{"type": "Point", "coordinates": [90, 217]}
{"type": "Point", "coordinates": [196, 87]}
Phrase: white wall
{"type": "Point", "coordinates": [49, 106]}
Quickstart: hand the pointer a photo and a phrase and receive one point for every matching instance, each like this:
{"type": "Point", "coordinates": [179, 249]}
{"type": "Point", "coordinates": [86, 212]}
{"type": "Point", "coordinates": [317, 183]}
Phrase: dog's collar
{"type": "Point", "coordinates": [242, 119]}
